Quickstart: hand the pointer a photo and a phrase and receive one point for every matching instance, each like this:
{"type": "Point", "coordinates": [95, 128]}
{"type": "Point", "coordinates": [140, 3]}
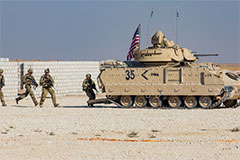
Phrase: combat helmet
{"type": "Point", "coordinates": [47, 70]}
{"type": "Point", "coordinates": [88, 75]}
{"type": "Point", "coordinates": [30, 70]}
{"type": "Point", "coordinates": [1, 70]}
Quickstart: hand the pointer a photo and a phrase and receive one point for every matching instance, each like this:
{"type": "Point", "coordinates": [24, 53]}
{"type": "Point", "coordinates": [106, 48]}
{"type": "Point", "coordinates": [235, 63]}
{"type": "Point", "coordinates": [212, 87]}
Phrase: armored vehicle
{"type": "Point", "coordinates": [167, 75]}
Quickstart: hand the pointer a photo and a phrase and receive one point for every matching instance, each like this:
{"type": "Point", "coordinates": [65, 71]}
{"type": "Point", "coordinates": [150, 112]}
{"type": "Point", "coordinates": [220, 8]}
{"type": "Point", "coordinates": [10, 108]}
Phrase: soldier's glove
{"type": "Point", "coordinates": [35, 86]}
{"type": "Point", "coordinates": [45, 85]}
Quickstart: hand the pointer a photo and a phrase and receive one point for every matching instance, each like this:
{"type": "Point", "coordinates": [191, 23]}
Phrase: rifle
{"type": "Point", "coordinates": [49, 83]}
{"type": "Point", "coordinates": [34, 83]}
{"type": "Point", "coordinates": [1, 83]}
{"type": "Point", "coordinates": [91, 86]}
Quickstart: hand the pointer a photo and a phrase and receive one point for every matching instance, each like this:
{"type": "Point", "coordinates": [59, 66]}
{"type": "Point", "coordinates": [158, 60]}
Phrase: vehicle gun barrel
{"type": "Point", "coordinates": [203, 55]}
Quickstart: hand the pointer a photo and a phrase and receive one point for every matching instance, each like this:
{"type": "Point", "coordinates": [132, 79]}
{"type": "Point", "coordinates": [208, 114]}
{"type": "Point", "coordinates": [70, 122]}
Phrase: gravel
{"type": "Point", "coordinates": [28, 132]}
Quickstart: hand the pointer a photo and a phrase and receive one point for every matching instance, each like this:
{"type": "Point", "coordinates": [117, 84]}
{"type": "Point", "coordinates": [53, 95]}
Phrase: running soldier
{"type": "Point", "coordinates": [29, 81]}
{"type": "Point", "coordinates": [88, 86]}
{"type": "Point", "coordinates": [47, 83]}
{"type": "Point", "coordinates": [2, 84]}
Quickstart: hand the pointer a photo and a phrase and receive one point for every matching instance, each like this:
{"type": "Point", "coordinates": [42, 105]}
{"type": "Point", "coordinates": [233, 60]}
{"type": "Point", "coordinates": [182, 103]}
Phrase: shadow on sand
{"type": "Point", "coordinates": [160, 108]}
{"type": "Point", "coordinates": [85, 106]}
{"type": "Point", "coordinates": [21, 106]}
{"type": "Point", "coordinates": [119, 107]}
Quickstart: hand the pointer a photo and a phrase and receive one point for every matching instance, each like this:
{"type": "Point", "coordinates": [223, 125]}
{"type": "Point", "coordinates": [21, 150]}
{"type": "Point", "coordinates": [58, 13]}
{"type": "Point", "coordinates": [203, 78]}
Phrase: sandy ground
{"type": "Point", "coordinates": [28, 132]}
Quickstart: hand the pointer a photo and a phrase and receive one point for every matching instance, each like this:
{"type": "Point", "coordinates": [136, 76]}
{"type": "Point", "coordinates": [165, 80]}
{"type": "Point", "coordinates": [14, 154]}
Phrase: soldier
{"type": "Point", "coordinates": [46, 81]}
{"type": "Point", "coordinates": [160, 41]}
{"type": "Point", "coordinates": [88, 86]}
{"type": "Point", "coordinates": [2, 84]}
{"type": "Point", "coordinates": [28, 81]}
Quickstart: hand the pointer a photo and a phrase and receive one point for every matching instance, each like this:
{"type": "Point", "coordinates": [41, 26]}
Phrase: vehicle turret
{"type": "Point", "coordinates": [163, 52]}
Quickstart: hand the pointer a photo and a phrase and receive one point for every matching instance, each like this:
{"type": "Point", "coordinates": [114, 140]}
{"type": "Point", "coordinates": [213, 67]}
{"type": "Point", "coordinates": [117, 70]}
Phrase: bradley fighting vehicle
{"type": "Point", "coordinates": [165, 74]}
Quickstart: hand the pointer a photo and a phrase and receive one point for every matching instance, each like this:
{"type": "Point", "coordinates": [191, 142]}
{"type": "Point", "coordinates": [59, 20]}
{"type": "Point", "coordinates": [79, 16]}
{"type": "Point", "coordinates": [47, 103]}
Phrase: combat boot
{"type": "Point", "coordinates": [4, 104]}
{"type": "Point", "coordinates": [36, 104]}
{"type": "Point", "coordinates": [90, 105]}
{"type": "Point", "coordinates": [18, 99]}
{"type": "Point", "coordinates": [55, 105]}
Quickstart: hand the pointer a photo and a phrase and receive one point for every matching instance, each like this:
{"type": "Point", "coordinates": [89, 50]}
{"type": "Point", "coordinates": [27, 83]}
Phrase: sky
{"type": "Point", "coordinates": [102, 30]}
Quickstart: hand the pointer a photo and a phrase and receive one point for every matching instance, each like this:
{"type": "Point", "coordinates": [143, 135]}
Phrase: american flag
{"type": "Point", "coordinates": [135, 43]}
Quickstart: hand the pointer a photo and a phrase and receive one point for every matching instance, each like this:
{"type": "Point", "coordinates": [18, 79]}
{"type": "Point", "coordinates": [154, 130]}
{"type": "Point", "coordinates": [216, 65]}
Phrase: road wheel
{"type": "Point", "coordinates": [140, 101]}
{"type": "Point", "coordinates": [205, 101]}
{"type": "Point", "coordinates": [190, 102]}
{"type": "Point", "coordinates": [174, 101]}
{"type": "Point", "coordinates": [126, 101]}
{"type": "Point", "coordinates": [155, 101]}
{"type": "Point", "coordinates": [230, 103]}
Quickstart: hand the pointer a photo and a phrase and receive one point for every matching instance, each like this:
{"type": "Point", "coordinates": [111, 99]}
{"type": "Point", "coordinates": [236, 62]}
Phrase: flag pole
{"type": "Point", "coordinates": [140, 35]}
{"type": "Point", "coordinates": [149, 25]}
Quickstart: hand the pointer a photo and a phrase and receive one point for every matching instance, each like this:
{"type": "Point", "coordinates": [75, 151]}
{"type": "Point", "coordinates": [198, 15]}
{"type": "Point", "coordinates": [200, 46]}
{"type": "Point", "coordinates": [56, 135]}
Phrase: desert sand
{"type": "Point", "coordinates": [75, 131]}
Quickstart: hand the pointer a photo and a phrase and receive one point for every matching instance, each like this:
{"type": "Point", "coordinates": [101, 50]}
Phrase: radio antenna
{"type": "Point", "coordinates": [149, 25]}
{"type": "Point", "coordinates": [177, 16]}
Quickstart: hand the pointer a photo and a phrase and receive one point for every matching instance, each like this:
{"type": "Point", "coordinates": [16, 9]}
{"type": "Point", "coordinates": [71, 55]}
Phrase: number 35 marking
{"type": "Point", "coordinates": [130, 74]}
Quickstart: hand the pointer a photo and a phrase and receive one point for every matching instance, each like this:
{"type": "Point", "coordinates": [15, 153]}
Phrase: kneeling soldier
{"type": "Point", "coordinates": [28, 81]}
{"type": "Point", "coordinates": [2, 84]}
{"type": "Point", "coordinates": [88, 86]}
{"type": "Point", "coordinates": [47, 82]}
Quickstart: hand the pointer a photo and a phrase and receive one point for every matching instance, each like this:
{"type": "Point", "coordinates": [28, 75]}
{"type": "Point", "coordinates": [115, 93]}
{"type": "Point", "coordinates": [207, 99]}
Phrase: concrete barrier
{"type": "Point", "coordinates": [68, 75]}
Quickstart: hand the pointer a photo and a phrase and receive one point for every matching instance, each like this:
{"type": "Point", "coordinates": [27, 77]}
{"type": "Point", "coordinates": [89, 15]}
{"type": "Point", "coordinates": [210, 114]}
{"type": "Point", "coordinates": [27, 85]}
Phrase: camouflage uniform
{"type": "Point", "coordinates": [88, 86]}
{"type": "Point", "coordinates": [46, 81]}
{"type": "Point", "coordinates": [28, 81]}
{"type": "Point", "coordinates": [2, 84]}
